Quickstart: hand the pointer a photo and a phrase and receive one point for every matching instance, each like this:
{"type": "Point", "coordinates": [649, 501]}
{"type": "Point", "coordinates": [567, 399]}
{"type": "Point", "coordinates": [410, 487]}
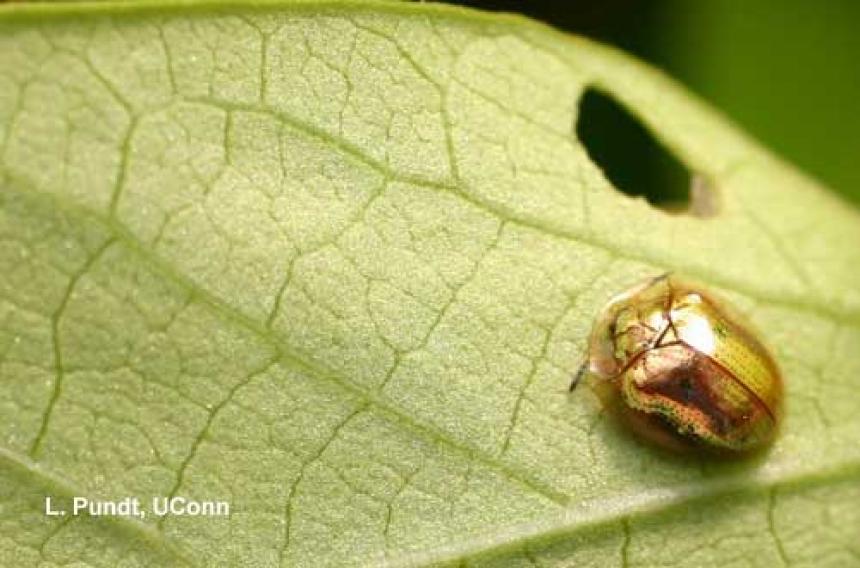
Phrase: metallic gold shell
{"type": "Point", "coordinates": [687, 369]}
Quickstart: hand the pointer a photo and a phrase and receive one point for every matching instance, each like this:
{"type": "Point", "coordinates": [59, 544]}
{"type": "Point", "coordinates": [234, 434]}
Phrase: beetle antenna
{"type": "Point", "coordinates": [663, 276]}
{"type": "Point", "coordinates": [578, 376]}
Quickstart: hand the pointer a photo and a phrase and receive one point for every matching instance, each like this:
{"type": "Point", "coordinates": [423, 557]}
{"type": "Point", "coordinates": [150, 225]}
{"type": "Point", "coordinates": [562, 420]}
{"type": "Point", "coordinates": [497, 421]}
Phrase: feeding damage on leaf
{"type": "Point", "coordinates": [636, 163]}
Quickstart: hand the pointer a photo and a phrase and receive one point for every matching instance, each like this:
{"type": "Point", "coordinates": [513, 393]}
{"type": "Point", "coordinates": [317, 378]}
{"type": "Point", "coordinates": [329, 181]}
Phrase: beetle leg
{"type": "Point", "coordinates": [671, 323]}
{"type": "Point", "coordinates": [658, 338]}
{"type": "Point", "coordinates": [667, 314]}
{"type": "Point", "coordinates": [673, 328]}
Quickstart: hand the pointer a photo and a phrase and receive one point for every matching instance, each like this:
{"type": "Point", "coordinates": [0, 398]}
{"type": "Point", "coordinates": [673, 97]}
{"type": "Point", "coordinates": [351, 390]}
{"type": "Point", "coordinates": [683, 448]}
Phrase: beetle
{"type": "Point", "coordinates": [683, 369]}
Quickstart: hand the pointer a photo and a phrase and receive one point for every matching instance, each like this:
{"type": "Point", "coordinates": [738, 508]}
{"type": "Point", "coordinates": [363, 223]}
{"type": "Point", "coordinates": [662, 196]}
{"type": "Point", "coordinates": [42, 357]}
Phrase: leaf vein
{"type": "Point", "coordinates": [59, 372]}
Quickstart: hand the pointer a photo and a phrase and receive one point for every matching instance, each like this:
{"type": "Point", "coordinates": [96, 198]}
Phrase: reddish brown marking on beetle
{"type": "Point", "coordinates": [689, 386]}
{"type": "Point", "coordinates": [755, 397]}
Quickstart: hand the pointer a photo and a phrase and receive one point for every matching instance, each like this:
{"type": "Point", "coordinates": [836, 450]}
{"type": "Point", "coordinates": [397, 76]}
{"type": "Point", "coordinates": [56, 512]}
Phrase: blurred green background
{"type": "Point", "coordinates": [787, 71]}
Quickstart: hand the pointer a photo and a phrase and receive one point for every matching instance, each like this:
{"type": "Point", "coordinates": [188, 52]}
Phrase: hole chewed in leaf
{"type": "Point", "coordinates": [635, 162]}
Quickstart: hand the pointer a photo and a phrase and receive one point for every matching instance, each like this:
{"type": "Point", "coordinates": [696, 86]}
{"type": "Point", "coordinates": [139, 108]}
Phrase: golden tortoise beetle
{"type": "Point", "coordinates": [683, 369]}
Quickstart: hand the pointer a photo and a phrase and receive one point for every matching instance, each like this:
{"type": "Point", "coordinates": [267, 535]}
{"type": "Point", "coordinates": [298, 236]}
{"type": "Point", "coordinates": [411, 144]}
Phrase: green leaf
{"type": "Point", "coordinates": [335, 262]}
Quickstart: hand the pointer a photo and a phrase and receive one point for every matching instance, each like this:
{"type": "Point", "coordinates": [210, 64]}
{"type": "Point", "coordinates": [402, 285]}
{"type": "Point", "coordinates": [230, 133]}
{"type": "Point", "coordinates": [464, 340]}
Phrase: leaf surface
{"type": "Point", "coordinates": [335, 263]}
